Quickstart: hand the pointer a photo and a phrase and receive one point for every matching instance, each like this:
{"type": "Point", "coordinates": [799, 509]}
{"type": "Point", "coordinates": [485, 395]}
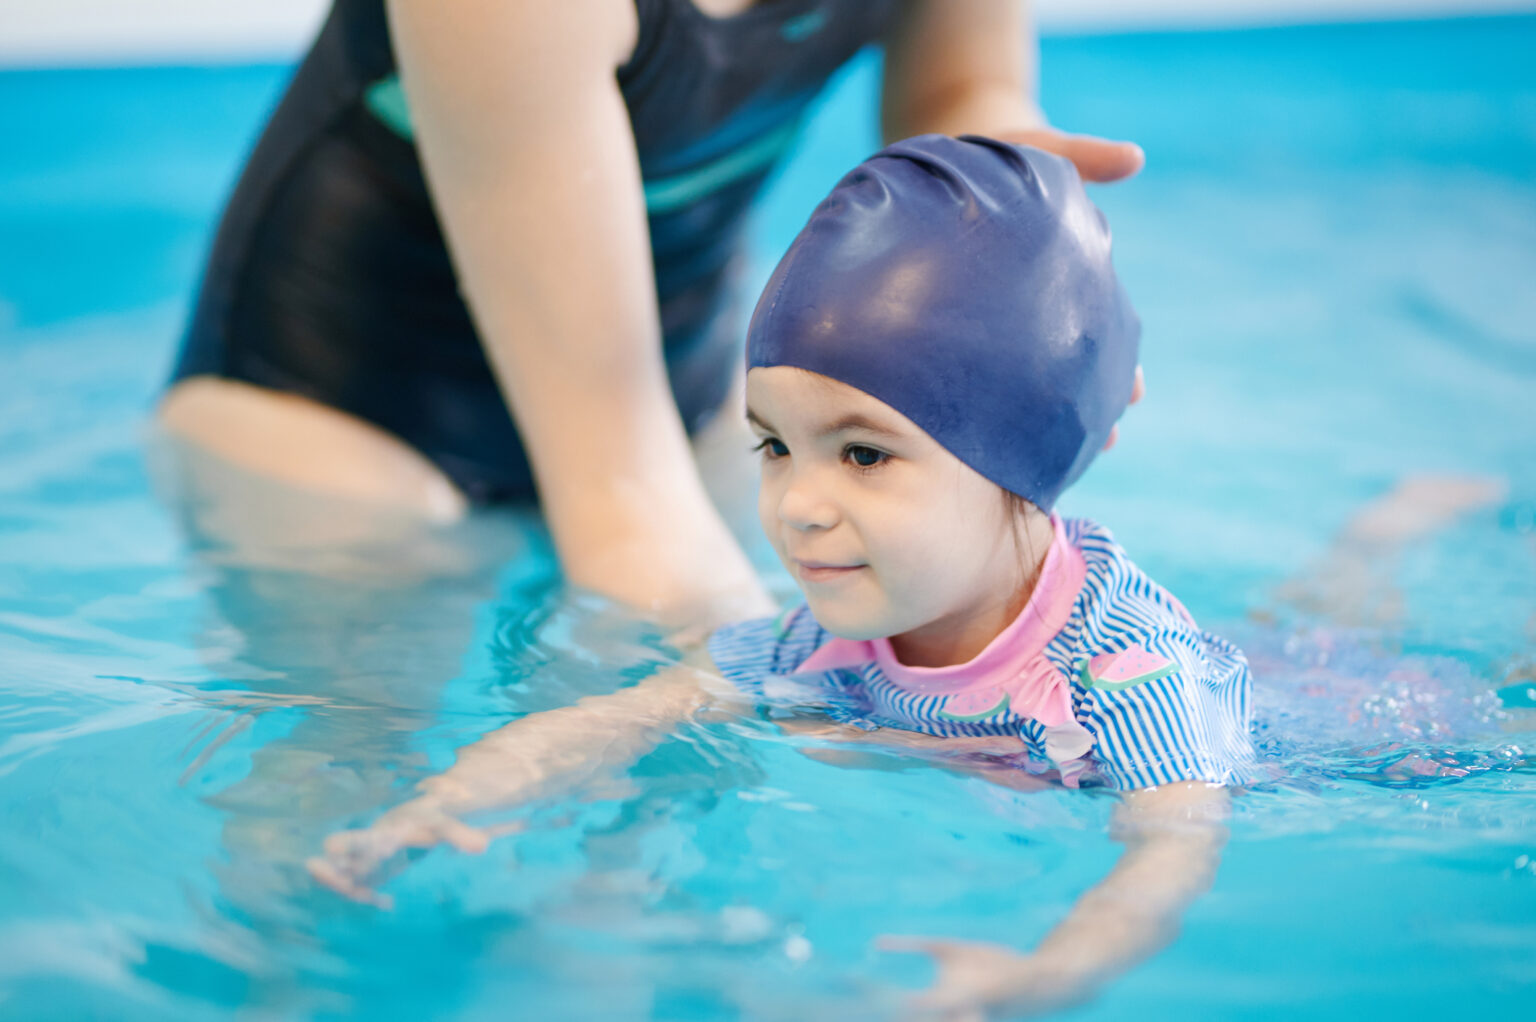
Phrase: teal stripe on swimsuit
{"type": "Point", "coordinates": [663, 195]}
{"type": "Point", "coordinates": [386, 100]}
{"type": "Point", "coordinates": [805, 26]}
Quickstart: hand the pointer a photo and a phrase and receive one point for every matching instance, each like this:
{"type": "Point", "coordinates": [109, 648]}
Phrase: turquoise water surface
{"type": "Point", "coordinates": [1332, 249]}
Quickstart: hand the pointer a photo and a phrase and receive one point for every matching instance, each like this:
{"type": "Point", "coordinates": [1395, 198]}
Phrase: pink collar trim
{"type": "Point", "coordinates": [1011, 663]}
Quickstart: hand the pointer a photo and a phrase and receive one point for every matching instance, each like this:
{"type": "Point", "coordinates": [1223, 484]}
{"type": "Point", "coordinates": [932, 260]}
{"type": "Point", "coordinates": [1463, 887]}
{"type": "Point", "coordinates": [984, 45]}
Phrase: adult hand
{"type": "Point", "coordinates": [978, 981]}
{"type": "Point", "coordinates": [1138, 391]}
{"type": "Point", "coordinates": [1096, 159]}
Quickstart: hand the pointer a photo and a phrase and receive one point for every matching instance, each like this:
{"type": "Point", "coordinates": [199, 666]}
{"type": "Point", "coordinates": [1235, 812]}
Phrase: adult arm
{"type": "Point", "coordinates": [969, 66]}
{"type": "Point", "coordinates": [528, 151]}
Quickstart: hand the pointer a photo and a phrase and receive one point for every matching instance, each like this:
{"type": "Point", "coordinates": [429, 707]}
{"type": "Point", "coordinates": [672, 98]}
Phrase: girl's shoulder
{"type": "Point", "coordinates": [750, 651]}
{"type": "Point", "coordinates": [1129, 626]}
{"type": "Point", "coordinates": [1164, 700]}
{"type": "Point", "coordinates": [1118, 599]}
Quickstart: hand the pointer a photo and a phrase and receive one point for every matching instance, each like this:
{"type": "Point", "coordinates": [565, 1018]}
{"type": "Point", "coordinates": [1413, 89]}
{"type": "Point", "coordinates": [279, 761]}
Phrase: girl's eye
{"type": "Point", "coordinates": [771, 447]}
{"type": "Point", "coordinates": [865, 457]}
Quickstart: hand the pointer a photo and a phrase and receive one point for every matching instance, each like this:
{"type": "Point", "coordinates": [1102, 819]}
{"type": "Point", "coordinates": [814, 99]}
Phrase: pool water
{"type": "Point", "coordinates": [1332, 248]}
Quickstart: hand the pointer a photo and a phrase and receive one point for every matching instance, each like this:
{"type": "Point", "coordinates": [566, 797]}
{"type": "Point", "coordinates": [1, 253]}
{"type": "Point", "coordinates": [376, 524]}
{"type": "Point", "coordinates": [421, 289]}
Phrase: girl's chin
{"type": "Point", "coordinates": [848, 622]}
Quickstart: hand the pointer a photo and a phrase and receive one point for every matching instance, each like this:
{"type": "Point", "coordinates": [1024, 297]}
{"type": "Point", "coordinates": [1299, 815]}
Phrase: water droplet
{"type": "Point", "coordinates": [743, 924]}
{"type": "Point", "coordinates": [797, 948]}
{"type": "Point", "coordinates": [1522, 861]}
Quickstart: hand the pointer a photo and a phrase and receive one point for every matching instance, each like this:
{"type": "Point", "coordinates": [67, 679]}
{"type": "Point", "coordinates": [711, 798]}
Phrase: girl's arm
{"type": "Point", "coordinates": [527, 146]}
{"type": "Point", "coordinates": [539, 756]}
{"type": "Point", "coordinates": [1173, 837]}
{"type": "Point", "coordinates": [969, 66]}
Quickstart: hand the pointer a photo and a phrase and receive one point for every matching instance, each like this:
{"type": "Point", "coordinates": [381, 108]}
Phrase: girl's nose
{"type": "Point", "coordinates": [803, 505]}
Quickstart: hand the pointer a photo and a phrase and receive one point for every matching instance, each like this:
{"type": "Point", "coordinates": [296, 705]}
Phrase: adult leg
{"type": "Point", "coordinates": [307, 445]}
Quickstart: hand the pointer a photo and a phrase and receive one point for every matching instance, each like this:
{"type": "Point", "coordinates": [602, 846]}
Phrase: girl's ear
{"type": "Point", "coordinates": [1020, 511]}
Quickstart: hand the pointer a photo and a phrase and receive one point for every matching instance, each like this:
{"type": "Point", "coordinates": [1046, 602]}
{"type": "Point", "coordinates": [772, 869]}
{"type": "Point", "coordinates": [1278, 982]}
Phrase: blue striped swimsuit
{"type": "Point", "coordinates": [1156, 699]}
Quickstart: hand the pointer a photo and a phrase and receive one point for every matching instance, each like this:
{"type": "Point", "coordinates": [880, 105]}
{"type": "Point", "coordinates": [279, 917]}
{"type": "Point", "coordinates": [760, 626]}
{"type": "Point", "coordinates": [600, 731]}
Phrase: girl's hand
{"type": "Point", "coordinates": [979, 981]}
{"type": "Point", "coordinates": [352, 857]}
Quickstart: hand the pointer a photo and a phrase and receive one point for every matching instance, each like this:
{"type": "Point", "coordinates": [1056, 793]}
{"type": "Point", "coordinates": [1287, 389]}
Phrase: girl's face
{"type": "Point", "coordinates": [886, 532]}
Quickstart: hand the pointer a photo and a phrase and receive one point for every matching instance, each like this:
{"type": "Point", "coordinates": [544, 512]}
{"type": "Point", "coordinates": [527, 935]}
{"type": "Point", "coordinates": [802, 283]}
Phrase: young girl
{"type": "Point", "coordinates": [943, 350]}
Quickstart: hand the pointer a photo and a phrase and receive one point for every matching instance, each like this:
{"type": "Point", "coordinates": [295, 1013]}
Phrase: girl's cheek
{"type": "Point", "coordinates": [767, 503]}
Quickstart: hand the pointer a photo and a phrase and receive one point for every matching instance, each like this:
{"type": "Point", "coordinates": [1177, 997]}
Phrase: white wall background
{"type": "Point", "coordinates": [41, 32]}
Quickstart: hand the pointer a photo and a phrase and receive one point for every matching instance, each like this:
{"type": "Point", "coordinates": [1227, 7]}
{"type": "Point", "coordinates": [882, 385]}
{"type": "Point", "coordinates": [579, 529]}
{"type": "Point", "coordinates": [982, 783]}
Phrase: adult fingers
{"type": "Point", "coordinates": [1096, 159]}
{"type": "Point", "coordinates": [1138, 391]}
{"type": "Point", "coordinates": [1101, 160]}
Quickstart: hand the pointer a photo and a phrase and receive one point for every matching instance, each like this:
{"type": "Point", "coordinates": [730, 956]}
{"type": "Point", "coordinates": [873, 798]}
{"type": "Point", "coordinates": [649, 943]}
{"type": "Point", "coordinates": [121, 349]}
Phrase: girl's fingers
{"type": "Point", "coordinates": [947, 1004]}
{"type": "Point", "coordinates": [339, 844]}
{"type": "Point", "coordinates": [940, 950]}
{"type": "Point", "coordinates": [463, 837]}
{"type": "Point", "coordinates": [936, 1002]}
{"type": "Point", "coordinates": [353, 855]}
{"type": "Point", "coordinates": [973, 977]}
{"type": "Point", "coordinates": [932, 1007]}
{"type": "Point", "coordinates": [356, 851]}
{"type": "Point", "coordinates": [326, 873]}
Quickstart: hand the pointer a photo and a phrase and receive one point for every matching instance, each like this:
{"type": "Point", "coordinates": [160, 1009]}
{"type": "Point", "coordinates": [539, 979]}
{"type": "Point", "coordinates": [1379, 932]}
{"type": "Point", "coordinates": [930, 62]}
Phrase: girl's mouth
{"type": "Point", "coordinates": [815, 571]}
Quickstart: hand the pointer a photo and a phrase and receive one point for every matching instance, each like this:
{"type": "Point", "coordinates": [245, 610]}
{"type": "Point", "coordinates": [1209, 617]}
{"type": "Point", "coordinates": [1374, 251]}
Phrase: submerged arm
{"type": "Point", "coordinates": [556, 751]}
{"type": "Point", "coordinates": [538, 756]}
{"type": "Point", "coordinates": [1173, 838]}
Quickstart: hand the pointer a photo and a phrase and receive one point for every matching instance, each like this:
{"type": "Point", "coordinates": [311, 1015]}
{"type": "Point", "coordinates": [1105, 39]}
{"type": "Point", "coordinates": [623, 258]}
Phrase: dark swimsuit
{"type": "Point", "coordinates": [329, 276]}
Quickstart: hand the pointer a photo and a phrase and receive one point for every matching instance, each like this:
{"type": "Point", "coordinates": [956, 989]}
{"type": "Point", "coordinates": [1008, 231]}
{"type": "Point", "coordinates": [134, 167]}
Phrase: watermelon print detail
{"type": "Point", "coordinates": [1132, 666]}
{"type": "Point", "coordinates": [781, 626]}
{"type": "Point", "coordinates": [978, 705]}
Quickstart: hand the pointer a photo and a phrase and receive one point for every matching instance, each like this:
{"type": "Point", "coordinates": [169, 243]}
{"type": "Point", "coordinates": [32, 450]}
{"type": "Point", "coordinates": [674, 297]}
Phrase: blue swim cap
{"type": "Point", "coordinates": [967, 284]}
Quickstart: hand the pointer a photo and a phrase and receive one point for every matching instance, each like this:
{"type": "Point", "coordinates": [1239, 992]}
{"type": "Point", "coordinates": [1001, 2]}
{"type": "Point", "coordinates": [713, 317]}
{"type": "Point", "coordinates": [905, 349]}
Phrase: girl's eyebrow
{"type": "Point", "coordinates": [848, 423]}
{"type": "Point", "coordinates": [855, 421]}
